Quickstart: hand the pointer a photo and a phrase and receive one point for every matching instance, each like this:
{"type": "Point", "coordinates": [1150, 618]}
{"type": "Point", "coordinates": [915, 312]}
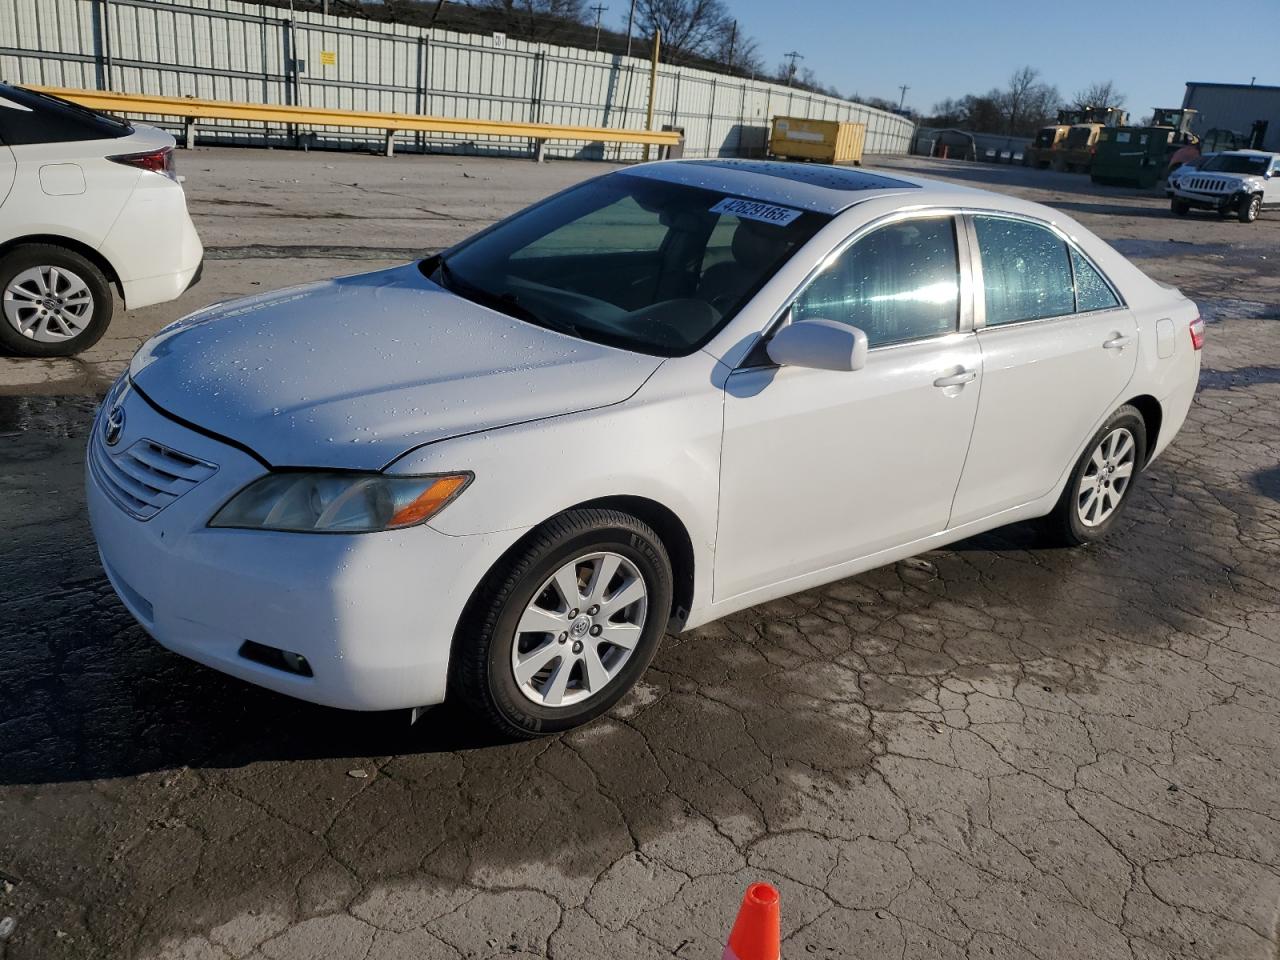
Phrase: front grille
{"type": "Point", "coordinates": [1207, 185]}
{"type": "Point", "coordinates": [147, 476]}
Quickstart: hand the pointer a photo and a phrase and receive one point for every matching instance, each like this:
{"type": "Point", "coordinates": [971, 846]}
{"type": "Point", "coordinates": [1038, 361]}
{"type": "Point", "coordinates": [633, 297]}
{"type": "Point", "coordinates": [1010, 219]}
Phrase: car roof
{"type": "Point", "coordinates": [1247, 153]}
{"type": "Point", "coordinates": [819, 187]}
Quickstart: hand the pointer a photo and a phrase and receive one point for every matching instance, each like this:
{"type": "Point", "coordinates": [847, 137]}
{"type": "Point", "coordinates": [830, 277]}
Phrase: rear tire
{"type": "Point", "coordinates": [1250, 208]}
{"type": "Point", "coordinates": [527, 682]}
{"type": "Point", "coordinates": [1101, 482]}
{"type": "Point", "coordinates": [1180, 208]}
{"type": "Point", "coordinates": [53, 301]}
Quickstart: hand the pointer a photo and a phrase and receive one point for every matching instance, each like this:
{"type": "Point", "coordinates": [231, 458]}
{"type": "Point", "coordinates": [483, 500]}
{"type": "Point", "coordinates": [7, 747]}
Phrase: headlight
{"type": "Point", "coordinates": [331, 502]}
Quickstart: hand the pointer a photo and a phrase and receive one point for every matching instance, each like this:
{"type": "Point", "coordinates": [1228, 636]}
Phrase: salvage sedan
{"type": "Point", "coordinates": [502, 473]}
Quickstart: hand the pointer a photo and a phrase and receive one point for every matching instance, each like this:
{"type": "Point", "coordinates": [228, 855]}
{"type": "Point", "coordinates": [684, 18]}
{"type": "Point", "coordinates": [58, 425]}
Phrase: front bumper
{"type": "Point", "coordinates": [374, 614]}
{"type": "Point", "coordinates": [1221, 202]}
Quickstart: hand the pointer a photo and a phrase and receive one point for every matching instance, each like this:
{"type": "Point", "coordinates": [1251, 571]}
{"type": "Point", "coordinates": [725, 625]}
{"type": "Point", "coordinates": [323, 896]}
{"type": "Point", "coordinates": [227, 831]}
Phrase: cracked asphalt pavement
{"type": "Point", "coordinates": [994, 750]}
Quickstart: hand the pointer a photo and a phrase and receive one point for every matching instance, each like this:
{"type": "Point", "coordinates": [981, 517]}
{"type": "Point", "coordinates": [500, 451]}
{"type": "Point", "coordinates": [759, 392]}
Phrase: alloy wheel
{"type": "Point", "coordinates": [48, 304]}
{"type": "Point", "coordinates": [1106, 478]}
{"type": "Point", "coordinates": [579, 630]}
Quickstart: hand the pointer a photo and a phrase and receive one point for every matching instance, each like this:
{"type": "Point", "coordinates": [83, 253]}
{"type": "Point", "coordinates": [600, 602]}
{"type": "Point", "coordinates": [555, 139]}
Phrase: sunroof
{"type": "Point", "coordinates": [816, 175]}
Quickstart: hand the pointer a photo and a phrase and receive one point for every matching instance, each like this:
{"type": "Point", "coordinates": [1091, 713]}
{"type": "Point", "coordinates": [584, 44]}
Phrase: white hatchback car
{"type": "Point", "coordinates": [87, 201]}
{"type": "Point", "coordinates": [651, 400]}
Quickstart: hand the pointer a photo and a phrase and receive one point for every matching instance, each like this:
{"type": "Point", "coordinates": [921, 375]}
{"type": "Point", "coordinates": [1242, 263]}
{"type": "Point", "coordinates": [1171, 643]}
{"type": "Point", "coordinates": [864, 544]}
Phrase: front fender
{"type": "Point", "coordinates": [663, 444]}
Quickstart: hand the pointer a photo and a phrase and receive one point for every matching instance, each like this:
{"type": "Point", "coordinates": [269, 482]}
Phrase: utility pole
{"type": "Point", "coordinates": [791, 71]}
{"type": "Point", "coordinates": [631, 19]}
{"type": "Point", "coordinates": [599, 8]}
{"type": "Point", "coordinates": [733, 39]}
{"type": "Point", "coordinates": [903, 99]}
{"type": "Point", "coordinates": [653, 83]}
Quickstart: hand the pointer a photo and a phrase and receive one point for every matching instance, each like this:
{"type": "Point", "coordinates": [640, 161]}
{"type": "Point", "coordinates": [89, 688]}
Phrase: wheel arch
{"type": "Point", "coordinates": [666, 524]}
{"type": "Point", "coordinates": [76, 246]}
{"type": "Point", "coordinates": [675, 539]}
{"type": "Point", "coordinates": [1152, 418]}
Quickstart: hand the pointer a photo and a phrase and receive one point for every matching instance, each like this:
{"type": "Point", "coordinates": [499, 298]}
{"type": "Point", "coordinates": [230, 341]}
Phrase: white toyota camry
{"type": "Point", "coordinates": [651, 400]}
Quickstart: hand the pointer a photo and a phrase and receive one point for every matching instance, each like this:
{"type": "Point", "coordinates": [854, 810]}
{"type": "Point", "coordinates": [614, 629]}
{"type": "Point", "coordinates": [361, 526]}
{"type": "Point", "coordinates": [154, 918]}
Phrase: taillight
{"type": "Point", "coordinates": [156, 161]}
{"type": "Point", "coordinates": [1197, 333]}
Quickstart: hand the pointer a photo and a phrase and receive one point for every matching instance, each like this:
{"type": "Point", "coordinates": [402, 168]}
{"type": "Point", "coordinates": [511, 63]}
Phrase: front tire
{"type": "Point", "coordinates": [1180, 208]}
{"type": "Point", "coordinates": [563, 628]}
{"type": "Point", "coordinates": [53, 301]}
{"type": "Point", "coordinates": [1250, 208]}
{"type": "Point", "coordinates": [1102, 481]}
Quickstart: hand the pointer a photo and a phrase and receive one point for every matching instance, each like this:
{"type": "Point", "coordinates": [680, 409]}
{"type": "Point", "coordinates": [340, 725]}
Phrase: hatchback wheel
{"type": "Point", "coordinates": [55, 302]}
{"type": "Point", "coordinates": [1102, 480]}
{"type": "Point", "coordinates": [558, 633]}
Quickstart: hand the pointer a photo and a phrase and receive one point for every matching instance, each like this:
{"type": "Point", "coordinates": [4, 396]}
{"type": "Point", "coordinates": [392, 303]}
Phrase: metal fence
{"type": "Point", "coordinates": [228, 50]}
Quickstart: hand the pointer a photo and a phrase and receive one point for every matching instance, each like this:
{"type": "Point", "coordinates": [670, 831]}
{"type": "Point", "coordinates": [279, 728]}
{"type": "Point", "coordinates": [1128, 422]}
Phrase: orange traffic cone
{"type": "Point", "coordinates": [757, 933]}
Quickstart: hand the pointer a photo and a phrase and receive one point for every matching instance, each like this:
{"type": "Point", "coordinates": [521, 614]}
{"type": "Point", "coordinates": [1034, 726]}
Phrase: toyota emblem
{"type": "Point", "coordinates": [113, 426]}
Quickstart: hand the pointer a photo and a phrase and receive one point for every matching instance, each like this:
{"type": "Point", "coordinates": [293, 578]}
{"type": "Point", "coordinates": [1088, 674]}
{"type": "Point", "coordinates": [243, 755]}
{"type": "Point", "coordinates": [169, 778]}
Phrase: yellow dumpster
{"type": "Point", "coordinates": [828, 141]}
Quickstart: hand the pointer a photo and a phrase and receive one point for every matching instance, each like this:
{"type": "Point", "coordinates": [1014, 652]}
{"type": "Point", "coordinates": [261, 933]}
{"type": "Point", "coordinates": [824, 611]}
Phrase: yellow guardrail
{"type": "Point", "coordinates": [191, 109]}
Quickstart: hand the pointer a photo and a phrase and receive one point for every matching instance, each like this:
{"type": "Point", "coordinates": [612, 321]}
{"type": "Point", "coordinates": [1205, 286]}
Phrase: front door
{"type": "Point", "coordinates": [823, 467]}
{"type": "Point", "coordinates": [1058, 350]}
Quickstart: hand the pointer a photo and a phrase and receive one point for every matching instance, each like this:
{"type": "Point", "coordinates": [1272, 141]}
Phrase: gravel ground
{"type": "Point", "coordinates": [990, 751]}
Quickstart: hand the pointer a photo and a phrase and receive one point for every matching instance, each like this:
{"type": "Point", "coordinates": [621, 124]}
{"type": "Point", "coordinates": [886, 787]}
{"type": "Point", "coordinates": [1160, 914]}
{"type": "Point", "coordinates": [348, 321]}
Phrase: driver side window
{"type": "Point", "coordinates": [898, 283]}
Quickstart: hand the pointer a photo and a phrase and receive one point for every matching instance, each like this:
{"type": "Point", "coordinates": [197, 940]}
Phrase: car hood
{"type": "Point", "coordinates": [353, 372]}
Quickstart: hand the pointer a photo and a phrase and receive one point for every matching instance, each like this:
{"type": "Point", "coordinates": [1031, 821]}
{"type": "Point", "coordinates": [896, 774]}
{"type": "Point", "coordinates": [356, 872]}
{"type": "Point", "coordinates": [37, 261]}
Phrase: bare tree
{"type": "Point", "coordinates": [1027, 103]}
{"type": "Point", "coordinates": [1102, 94]}
{"type": "Point", "coordinates": [536, 19]}
{"type": "Point", "coordinates": [947, 113]}
{"type": "Point", "coordinates": [738, 52]}
{"type": "Point", "coordinates": [696, 28]}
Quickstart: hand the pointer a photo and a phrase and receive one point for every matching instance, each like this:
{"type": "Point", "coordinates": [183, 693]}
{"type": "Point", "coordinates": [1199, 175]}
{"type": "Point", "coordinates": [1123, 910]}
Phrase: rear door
{"type": "Point", "coordinates": [1058, 349]}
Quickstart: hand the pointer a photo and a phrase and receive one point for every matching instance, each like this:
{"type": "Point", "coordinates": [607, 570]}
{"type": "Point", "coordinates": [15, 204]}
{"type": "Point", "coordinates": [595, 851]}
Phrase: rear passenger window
{"type": "Point", "coordinates": [1092, 292]}
{"type": "Point", "coordinates": [27, 117]}
{"type": "Point", "coordinates": [899, 283]}
{"type": "Point", "coordinates": [1025, 271]}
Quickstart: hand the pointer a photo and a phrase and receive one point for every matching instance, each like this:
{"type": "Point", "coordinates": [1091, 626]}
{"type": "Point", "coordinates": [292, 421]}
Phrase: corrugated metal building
{"type": "Point", "coordinates": [1235, 106]}
{"type": "Point", "coordinates": [228, 50]}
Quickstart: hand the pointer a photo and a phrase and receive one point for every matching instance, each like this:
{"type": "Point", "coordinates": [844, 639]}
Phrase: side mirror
{"type": "Point", "coordinates": [820, 344]}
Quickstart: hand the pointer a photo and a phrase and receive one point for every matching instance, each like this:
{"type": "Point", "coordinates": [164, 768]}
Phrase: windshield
{"type": "Point", "coordinates": [1236, 163]}
{"type": "Point", "coordinates": [650, 266]}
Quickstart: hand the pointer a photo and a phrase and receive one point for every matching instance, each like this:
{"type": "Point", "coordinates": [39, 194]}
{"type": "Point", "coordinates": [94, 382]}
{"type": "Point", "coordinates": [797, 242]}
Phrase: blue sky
{"type": "Point", "coordinates": [1150, 49]}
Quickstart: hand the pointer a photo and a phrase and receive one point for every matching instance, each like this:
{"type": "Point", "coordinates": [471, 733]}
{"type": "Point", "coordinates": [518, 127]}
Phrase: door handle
{"type": "Point", "coordinates": [1118, 342]}
{"type": "Point", "coordinates": [956, 379]}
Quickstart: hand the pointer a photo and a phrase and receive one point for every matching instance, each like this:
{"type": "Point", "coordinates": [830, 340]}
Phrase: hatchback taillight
{"type": "Point", "coordinates": [157, 161]}
{"type": "Point", "coordinates": [1197, 333]}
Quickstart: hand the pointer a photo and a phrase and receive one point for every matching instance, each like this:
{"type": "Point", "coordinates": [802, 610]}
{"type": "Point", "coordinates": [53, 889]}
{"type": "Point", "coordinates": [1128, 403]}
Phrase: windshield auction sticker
{"type": "Point", "coordinates": [755, 210]}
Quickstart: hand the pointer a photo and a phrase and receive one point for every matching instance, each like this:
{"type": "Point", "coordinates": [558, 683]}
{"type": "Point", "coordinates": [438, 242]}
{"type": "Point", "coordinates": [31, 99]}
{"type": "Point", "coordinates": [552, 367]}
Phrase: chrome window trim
{"type": "Point", "coordinates": [966, 255]}
{"type": "Point", "coordinates": [980, 302]}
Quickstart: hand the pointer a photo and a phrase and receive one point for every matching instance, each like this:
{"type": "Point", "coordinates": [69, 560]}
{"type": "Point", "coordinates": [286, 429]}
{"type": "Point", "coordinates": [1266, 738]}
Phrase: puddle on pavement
{"type": "Point", "coordinates": [64, 417]}
{"type": "Point", "coordinates": [1143, 249]}
{"type": "Point", "coordinates": [1214, 310]}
